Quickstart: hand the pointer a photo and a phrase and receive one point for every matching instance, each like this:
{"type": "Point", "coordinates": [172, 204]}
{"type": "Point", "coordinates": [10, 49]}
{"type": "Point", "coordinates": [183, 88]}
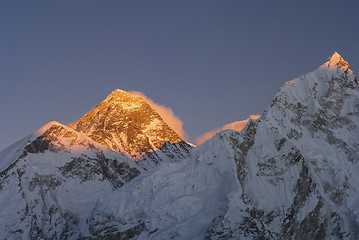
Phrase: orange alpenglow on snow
{"type": "Point", "coordinates": [336, 61]}
{"type": "Point", "coordinates": [166, 114]}
{"type": "Point", "coordinates": [126, 123]}
{"type": "Point", "coordinates": [238, 126]}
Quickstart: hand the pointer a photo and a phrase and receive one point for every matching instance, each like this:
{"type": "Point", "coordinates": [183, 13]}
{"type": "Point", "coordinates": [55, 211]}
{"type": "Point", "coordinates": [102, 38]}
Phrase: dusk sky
{"type": "Point", "coordinates": [211, 62]}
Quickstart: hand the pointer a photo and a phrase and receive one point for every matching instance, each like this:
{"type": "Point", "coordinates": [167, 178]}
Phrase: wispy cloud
{"type": "Point", "coordinates": [166, 114]}
{"type": "Point", "coordinates": [238, 126]}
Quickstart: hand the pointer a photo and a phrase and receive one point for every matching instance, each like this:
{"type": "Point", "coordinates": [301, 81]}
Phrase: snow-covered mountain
{"type": "Point", "coordinates": [291, 174]}
{"type": "Point", "coordinates": [126, 123]}
{"type": "Point", "coordinates": [298, 165]}
{"type": "Point", "coordinates": [51, 181]}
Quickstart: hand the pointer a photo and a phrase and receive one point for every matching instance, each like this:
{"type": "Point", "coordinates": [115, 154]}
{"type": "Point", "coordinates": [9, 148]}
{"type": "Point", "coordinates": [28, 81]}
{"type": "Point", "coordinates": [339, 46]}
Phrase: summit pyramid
{"type": "Point", "coordinates": [127, 124]}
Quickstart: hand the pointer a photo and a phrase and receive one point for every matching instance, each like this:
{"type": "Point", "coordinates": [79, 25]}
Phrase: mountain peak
{"type": "Point", "coordinates": [126, 123]}
{"type": "Point", "coordinates": [44, 128]}
{"type": "Point", "coordinates": [336, 61]}
{"type": "Point", "coordinates": [121, 96]}
{"type": "Point", "coordinates": [118, 92]}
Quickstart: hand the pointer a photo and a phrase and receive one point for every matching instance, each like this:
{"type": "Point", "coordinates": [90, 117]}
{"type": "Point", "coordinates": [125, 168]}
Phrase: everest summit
{"type": "Point", "coordinates": [126, 123]}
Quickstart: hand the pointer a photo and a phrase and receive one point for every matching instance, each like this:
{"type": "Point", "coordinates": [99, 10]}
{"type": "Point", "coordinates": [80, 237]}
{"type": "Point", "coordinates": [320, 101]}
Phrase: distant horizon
{"type": "Point", "coordinates": [210, 63]}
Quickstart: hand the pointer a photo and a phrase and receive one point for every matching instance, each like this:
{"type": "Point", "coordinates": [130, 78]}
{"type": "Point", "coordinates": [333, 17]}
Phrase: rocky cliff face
{"type": "Point", "coordinates": [297, 165]}
{"type": "Point", "coordinates": [125, 123]}
{"type": "Point", "coordinates": [50, 189]}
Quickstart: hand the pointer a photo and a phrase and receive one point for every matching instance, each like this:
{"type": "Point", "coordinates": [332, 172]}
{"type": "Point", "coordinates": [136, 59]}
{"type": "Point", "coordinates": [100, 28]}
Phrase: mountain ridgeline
{"type": "Point", "coordinates": [120, 172]}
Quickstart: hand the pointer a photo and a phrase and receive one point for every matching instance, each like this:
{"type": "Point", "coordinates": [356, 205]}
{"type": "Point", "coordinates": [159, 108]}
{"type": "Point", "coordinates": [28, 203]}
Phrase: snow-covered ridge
{"type": "Point", "coordinates": [54, 180]}
{"type": "Point", "coordinates": [60, 135]}
{"type": "Point", "coordinates": [67, 138]}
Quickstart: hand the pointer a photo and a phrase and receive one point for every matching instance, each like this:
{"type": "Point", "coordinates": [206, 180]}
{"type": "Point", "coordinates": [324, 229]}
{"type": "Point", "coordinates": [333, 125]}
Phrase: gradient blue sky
{"type": "Point", "coordinates": [212, 62]}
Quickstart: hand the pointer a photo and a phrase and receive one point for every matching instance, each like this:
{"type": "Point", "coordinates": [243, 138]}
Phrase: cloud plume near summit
{"type": "Point", "coordinates": [238, 126]}
{"type": "Point", "coordinates": [166, 114]}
